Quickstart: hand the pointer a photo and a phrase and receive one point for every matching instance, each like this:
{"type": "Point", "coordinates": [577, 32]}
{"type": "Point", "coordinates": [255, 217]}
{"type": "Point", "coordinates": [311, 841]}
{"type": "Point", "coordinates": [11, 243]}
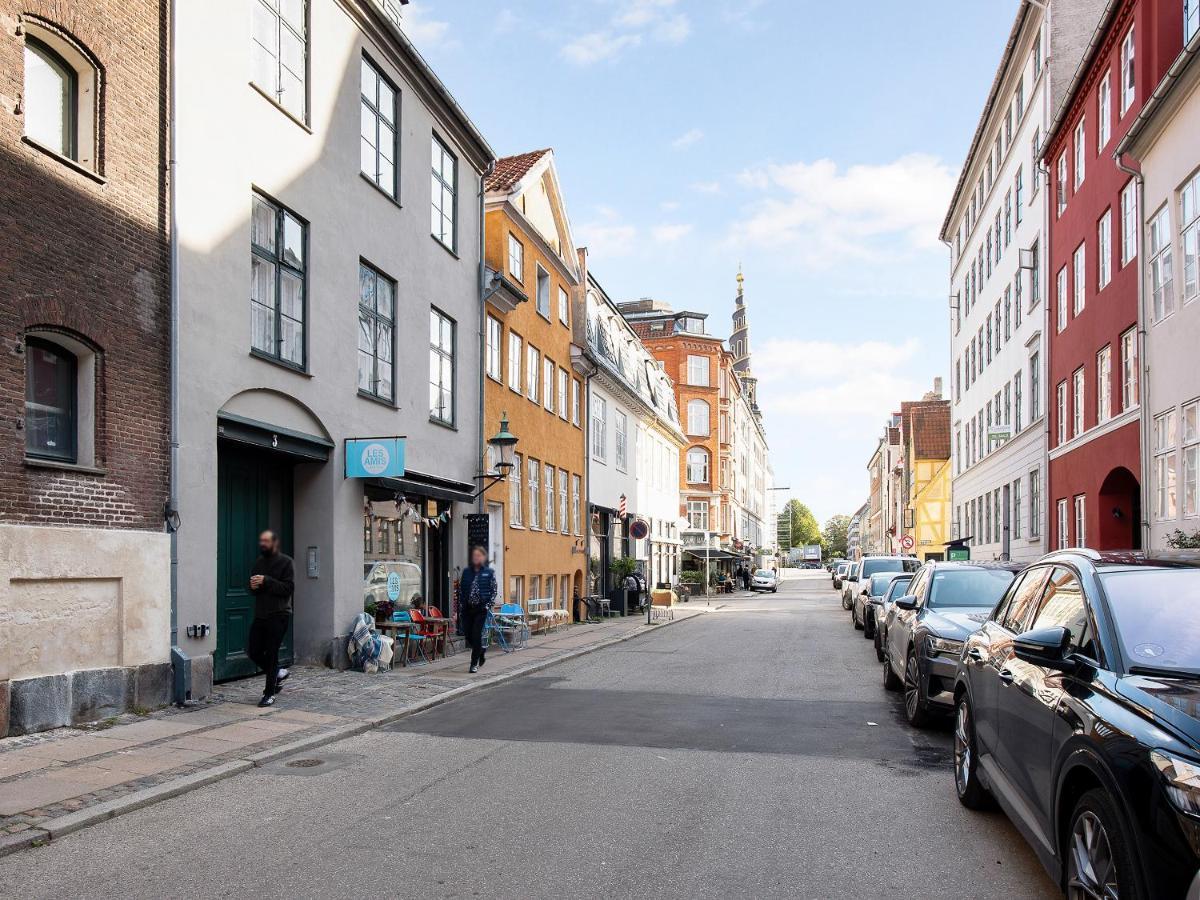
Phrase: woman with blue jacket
{"type": "Point", "coordinates": [476, 596]}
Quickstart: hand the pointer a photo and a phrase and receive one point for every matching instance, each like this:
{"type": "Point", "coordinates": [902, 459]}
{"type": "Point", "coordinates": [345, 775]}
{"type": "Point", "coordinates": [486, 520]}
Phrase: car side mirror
{"type": "Point", "coordinates": [852, 578]}
{"type": "Point", "coordinates": [1046, 647]}
{"type": "Point", "coordinates": [908, 601]}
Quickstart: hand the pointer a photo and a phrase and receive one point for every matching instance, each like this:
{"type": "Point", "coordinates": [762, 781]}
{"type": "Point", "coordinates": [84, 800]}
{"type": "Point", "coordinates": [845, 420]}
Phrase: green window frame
{"type": "Point", "coordinates": [378, 154]}
{"type": "Point", "coordinates": [278, 283]}
{"type": "Point", "coordinates": [376, 334]}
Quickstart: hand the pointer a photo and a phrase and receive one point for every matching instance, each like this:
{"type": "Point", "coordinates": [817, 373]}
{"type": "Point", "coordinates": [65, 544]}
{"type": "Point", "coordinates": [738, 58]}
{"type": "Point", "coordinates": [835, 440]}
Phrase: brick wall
{"type": "Point", "coordinates": [86, 255]}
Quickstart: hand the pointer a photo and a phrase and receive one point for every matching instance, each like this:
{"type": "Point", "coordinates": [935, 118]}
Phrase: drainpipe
{"type": "Point", "coordinates": [481, 445]}
{"type": "Point", "coordinates": [1143, 367]}
{"type": "Point", "coordinates": [953, 383]}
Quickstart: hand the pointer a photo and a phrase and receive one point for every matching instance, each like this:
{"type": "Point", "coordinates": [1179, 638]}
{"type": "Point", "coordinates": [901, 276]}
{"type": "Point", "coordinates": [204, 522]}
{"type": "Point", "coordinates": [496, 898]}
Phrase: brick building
{"type": "Point", "coordinates": [84, 372]}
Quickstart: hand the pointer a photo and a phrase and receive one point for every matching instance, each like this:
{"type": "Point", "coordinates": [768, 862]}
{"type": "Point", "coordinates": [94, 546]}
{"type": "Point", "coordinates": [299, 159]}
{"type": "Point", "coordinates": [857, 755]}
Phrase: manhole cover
{"type": "Point", "coordinates": [304, 763]}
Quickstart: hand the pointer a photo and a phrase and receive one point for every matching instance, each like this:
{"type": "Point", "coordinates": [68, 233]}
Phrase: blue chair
{"type": "Point", "coordinates": [513, 625]}
{"type": "Point", "coordinates": [413, 635]}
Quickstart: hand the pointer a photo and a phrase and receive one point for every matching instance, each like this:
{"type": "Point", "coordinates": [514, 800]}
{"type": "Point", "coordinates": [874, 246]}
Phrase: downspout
{"type": "Point", "coordinates": [481, 445]}
{"type": "Point", "coordinates": [953, 386]}
{"type": "Point", "coordinates": [1143, 369]}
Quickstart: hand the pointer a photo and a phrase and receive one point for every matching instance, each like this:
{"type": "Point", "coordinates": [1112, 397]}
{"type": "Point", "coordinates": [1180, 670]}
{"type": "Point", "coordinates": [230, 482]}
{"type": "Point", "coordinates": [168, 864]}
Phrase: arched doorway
{"type": "Point", "coordinates": [1119, 512]}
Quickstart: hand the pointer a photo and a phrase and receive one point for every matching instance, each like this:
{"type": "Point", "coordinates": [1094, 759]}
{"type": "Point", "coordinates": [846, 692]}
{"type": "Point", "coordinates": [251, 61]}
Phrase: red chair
{"type": "Point", "coordinates": [440, 626]}
{"type": "Point", "coordinates": [417, 638]}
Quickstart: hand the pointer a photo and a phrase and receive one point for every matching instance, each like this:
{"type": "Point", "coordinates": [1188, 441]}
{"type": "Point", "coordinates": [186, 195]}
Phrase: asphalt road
{"type": "Point", "coordinates": [748, 753]}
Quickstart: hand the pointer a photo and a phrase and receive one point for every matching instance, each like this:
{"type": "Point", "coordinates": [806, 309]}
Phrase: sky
{"type": "Point", "coordinates": [815, 144]}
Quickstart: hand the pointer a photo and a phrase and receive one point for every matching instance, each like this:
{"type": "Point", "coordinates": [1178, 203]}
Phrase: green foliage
{"type": "Point", "coordinates": [833, 538]}
{"type": "Point", "coordinates": [692, 576]}
{"type": "Point", "coordinates": [805, 529]}
{"type": "Point", "coordinates": [623, 566]}
{"type": "Point", "coordinates": [1181, 541]}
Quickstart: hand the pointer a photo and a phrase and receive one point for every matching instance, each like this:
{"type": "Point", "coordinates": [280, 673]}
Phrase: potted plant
{"type": "Point", "coordinates": [621, 568]}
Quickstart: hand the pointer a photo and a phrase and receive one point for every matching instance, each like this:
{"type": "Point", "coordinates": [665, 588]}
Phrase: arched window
{"type": "Point", "coordinates": [697, 466]}
{"type": "Point", "coordinates": [51, 392]}
{"type": "Point", "coordinates": [51, 92]}
{"type": "Point", "coordinates": [698, 417]}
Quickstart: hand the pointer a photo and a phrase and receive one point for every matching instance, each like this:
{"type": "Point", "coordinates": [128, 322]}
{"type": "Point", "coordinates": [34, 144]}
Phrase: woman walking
{"type": "Point", "coordinates": [476, 595]}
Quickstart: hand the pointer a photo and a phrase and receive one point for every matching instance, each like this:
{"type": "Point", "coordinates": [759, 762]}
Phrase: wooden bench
{"type": "Point", "coordinates": [542, 610]}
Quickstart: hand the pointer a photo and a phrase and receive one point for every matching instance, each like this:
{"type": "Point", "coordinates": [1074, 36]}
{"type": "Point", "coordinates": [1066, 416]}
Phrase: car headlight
{"type": "Point", "coordinates": [1182, 779]}
{"type": "Point", "coordinates": [936, 645]}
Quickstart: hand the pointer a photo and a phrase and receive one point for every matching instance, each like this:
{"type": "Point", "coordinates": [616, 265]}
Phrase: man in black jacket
{"type": "Point", "coordinates": [272, 580]}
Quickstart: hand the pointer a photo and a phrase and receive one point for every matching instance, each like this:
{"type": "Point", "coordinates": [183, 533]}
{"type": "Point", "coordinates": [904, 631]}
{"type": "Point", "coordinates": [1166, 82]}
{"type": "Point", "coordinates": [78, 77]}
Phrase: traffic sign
{"type": "Point", "coordinates": [907, 542]}
{"type": "Point", "coordinates": [639, 530]}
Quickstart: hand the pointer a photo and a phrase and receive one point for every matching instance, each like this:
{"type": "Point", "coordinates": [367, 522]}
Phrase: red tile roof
{"type": "Point", "coordinates": [512, 169]}
{"type": "Point", "coordinates": [927, 427]}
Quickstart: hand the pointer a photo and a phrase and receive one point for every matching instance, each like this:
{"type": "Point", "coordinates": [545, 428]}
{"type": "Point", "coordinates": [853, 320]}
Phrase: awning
{"type": "Point", "coordinates": [422, 485]}
{"type": "Point", "coordinates": [296, 444]}
{"type": "Point", "coordinates": [708, 553]}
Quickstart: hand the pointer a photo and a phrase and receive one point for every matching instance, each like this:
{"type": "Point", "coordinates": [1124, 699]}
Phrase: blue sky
{"type": "Point", "coordinates": [815, 143]}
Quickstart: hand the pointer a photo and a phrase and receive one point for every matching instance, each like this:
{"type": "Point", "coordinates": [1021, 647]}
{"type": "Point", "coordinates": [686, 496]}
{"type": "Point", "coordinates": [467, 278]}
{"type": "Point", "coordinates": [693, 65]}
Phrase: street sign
{"type": "Point", "coordinates": [907, 542]}
{"type": "Point", "coordinates": [639, 530]}
{"type": "Point", "coordinates": [375, 457]}
{"type": "Point", "coordinates": [958, 554]}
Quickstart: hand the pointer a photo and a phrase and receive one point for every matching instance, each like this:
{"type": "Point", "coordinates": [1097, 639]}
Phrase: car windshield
{"type": "Point", "coordinates": [969, 587]}
{"type": "Point", "coordinates": [879, 583]}
{"type": "Point", "coordinates": [889, 564]}
{"type": "Point", "coordinates": [1155, 615]}
{"type": "Point", "coordinates": [762, 573]}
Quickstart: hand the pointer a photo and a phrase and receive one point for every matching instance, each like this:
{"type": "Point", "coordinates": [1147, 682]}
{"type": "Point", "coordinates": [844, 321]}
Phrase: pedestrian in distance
{"type": "Point", "coordinates": [272, 581]}
{"type": "Point", "coordinates": [476, 596]}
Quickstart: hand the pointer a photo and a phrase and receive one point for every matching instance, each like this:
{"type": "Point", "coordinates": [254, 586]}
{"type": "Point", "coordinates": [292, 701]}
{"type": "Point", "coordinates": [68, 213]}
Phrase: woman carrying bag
{"type": "Point", "coordinates": [476, 596]}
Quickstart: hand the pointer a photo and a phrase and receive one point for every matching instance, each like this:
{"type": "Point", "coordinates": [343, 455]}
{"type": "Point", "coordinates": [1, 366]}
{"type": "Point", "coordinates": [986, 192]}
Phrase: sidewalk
{"type": "Point", "coordinates": [58, 781]}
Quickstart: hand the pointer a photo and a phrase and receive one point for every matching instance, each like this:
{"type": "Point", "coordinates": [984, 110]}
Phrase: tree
{"type": "Point", "coordinates": [805, 529]}
{"type": "Point", "coordinates": [833, 538]}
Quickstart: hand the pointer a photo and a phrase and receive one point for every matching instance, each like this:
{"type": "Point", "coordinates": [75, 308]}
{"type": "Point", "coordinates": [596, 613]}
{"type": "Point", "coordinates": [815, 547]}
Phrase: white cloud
{"type": "Point", "coordinates": [706, 187]}
{"type": "Point", "coordinates": [825, 214]}
{"type": "Point", "coordinates": [670, 232]}
{"type": "Point", "coordinates": [633, 22]}
{"type": "Point", "coordinates": [689, 137]}
{"type": "Point", "coordinates": [423, 31]}
{"type": "Point", "coordinates": [669, 205]}
{"type": "Point", "coordinates": [607, 235]}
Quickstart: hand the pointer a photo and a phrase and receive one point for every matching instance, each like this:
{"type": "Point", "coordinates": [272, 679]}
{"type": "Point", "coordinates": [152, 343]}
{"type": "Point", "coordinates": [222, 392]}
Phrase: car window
{"type": "Point", "coordinates": [911, 565]}
{"type": "Point", "coordinates": [917, 587]}
{"type": "Point", "coordinates": [1021, 599]}
{"type": "Point", "coordinates": [1063, 604]}
{"type": "Point", "coordinates": [899, 587]}
{"type": "Point", "coordinates": [963, 587]}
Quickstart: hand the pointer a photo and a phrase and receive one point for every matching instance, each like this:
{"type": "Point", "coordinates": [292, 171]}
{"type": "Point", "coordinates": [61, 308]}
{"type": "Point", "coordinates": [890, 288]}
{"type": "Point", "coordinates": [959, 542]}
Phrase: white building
{"type": "Point", "coordinates": [995, 228]}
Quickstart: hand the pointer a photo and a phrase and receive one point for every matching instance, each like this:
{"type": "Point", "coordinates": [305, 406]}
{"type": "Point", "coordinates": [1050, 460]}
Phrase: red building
{"type": "Point", "coordinates": [1095, 346]}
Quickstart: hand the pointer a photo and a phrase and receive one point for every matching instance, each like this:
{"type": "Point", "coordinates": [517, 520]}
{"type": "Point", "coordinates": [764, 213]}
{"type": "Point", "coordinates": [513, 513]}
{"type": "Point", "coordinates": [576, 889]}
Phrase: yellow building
{"type": "Point", "coordinates": [536, 519]}
{"type": "Point", "coordinates": [925, 426]}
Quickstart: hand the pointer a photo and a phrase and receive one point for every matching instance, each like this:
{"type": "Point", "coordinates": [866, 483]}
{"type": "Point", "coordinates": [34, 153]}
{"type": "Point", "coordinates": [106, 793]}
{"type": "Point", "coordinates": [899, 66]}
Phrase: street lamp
{"type": "Point", "coordinates": [505, 443]}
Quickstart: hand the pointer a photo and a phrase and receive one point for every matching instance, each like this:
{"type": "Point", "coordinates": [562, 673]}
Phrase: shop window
{"type": "Point", "coordinates": [59, 95]}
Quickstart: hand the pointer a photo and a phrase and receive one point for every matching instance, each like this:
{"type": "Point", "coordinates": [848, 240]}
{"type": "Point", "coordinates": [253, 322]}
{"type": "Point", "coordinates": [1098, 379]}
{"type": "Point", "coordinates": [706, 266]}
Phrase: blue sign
{"type": "Point", "coordinates": [375, 457]}
{"type": "Point", "coordinates": [393, 586]}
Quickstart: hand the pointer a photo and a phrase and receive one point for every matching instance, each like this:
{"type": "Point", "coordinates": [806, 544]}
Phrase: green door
{"type": "Point", "coordinates": [254, 492]}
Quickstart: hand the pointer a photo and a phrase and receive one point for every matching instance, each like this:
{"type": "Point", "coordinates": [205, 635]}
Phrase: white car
{"type": "Point", "coordinates": [765, 580]}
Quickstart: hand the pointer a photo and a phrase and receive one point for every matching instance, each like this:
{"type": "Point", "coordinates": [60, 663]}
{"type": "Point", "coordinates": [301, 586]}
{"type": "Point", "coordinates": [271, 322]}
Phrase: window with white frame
{"type": "Point", "coordinates": [1060, 184]}
{"type": "Point", "coordinates": [1189, 229]}
{"type": "Point", "coordinates": [535, 494]}
{"type": "Point", "coordinates": [59, 101]}
{"type": "Point", "coordinates": [1129, 370]}
{"type": "Point", "coordinates": [444, 191]}
{"type": "Point", "coordinates": [1165, 436]}
{"type": "Point", "coordinates": [698, 418]}
{"type": "Point", "coordinates": [1080, 151]}
{"type": "Point", "coordinates": [1016, 383]}
{"type": "Point", "coordinates": [533, 369]}
{"type": "Point", "coordinates": [1015, 500]}
{"type": "Point", "coordinates": [1104, 112]}
{"type": "Point", "coordinates": [1077, 395]}
{"type": "Point", "coordinates": [492, 347]}
{"type": "Point", "coordinates": [564, 307]}
{"type": "Point", "coordinates": [697, 371]}
{"type": "Point", "coordinates": [548, 369]}
{"type": "Point", "coordinates": [1035, 274]}
{"type": "Point", "coordinates": [576, 504]}
{"type": "Point", "coordinates": [1035, 144]}
{"type": "Point", "coordinates": [563, 380]}
{"type": "Point", "coordinates": [1060, 289]}
{"type": "Point", "coordinates": [1162, 277]}
{"type": "Point", "coordinates": [1079, 267]}
{"type": "Point", "coordinates": [599, 428]}
{"type": "Point", "coordinates": [376, 329]}
{"type": "Point", "coordinates": [514, 492]}
{"type": "Point", "coordinates": [441, 367]}
{"type": "Point", "coordinates": [549, 504]}
{"type": "Point", "coordinates": [377, 129]}
{"type": "Point", "coordinates": [1061, 410]}
{"type": "Point", "coordinates": [1063, 525]}
{"type": "Point", "coordinates": [1035, 503]}
{"type": "Point", "coordinates": [1129, 223]}
{"type": "Point", "coordinates": [1104, 250]}
{"type": "Point", "coordinates": [1128, 70]}
{"type": "Point", "coordinates": [564, 524]}
{"type": "Point", "coordinates": [697, 466]}
{"type": "Point", "coordinates": [621, 436]}
{"type": "Point", "coordinates": [516, 258]}
{"type": "Point", "coordinates": [1104, 385]}
{"type": "Point", "coordinates": [1191, 457]}
{"type": "Point", "coordinates": [697, 511]}
{"type": "Point", "coordinates": [543, 293]}
{"type": "Point", "coordinates": [1191, 19]}
{"type": "Point", "coordinates": [279, 53]}
{"type": "Point", "coordinates": [575, 402]}
{"type": "Point", "coordinates": [515, 360]}
{"type": "Point", "coordinates": [1019, 193]}
{"type": "Point", "coordinates": [1080, 520]}
{"type": "Point", "coordinates": [1035, 386]}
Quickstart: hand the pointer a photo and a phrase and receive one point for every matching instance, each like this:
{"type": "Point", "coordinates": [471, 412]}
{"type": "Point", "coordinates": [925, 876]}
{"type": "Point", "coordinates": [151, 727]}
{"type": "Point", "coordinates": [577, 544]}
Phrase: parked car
{"type": "Point", "coordinates": [872, 565]}
{"type": "Point", "coordinates": [1078, 709]}
{"type": "Point", "coordinates": [839, 574]}
{"type": "Point", "coordinates": [765, 580]}
{"type": "Point", "coordinates": [926, 628]}
{"type": "Point", "coordinates": [848, 582]}
{"type": "Point", "coordinates": [867, 602]}
{"type": "Point", "coordinates": [896, 589]}
{"type": "Point", "coordinates": [391, 580]}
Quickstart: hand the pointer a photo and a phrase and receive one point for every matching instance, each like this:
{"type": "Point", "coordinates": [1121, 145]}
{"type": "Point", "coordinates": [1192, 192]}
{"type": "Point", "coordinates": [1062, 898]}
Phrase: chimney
{"type": "Point", "coordinates": [937, 388]}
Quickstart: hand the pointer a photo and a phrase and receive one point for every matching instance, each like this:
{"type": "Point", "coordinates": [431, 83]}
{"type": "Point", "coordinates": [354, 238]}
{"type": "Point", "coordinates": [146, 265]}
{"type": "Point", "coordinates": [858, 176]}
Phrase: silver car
{"type": "Point", "coordinates": [765, 580]}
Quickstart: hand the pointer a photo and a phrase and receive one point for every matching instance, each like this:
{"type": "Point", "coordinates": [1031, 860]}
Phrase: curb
{"type": "Point", "coordinates": [110, 809]}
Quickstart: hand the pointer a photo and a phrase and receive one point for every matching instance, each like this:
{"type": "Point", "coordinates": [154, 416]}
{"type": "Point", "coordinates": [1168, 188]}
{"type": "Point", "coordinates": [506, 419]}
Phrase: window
{"type": "Point", "coordinates": [1063, 525]}
{"type": "Point", "coordinates": [1035, 503]}
{"type": "Point", "coordinates": [1035, 144]}
{"type": "Point", "coordinates": [1189, 226]}
{"type": "Point", "coordinates": [550, 505]}
{"type": "Point", "coordinates": [1080, 151]}
{"type": "Point", "coordinates": [1019, 192]}
{"type": "Point", "coordinates": [574, 402]}
{"type": "Point", "coordinates": [564, 307]}
{"type": "Point", "coordinates": [1104, 250]}
{"type": "Point", "coordinates": [698, 418]}
{"type": "Point", "coordinates": [535, 518]}
{"type": "Point", "coordinates": [1129, 370]}
{"type": "Point", "coordinates": [1035, 386]}
{"type": "Point", "coordinates": [279, 53]}
{"type": "Point", "coordinates": [697, 371]}
{"type": "Point", "coordinates": [441, 367]}
{"type": "Point", "coordinates": [1035, 276]}
{"type": "Point", "coordinates": [1077, 394]}
{"type": "Point", "coordinates": [1016, 383]}
{"type": "Point", "coordinates": [59, 98]}
{"type": "Point", "coordinates": [1104, 385]}
{"type": "Point", "coordinates": [548, 383]}
{"type": "Point", "coordinates": [1104, 112]}
{"type": "Point", "coordinates": [698, 515]}
{"type": "Point", "coordinates": [563, 381]}
{"type": "Point", "coordinates": [516, 258]}
{"type": "Point", "coordinates": [1162, 283]}
{"type": "Point", "coordinates": [1165, 436]}
{"type": "Point", "coordinates": [533, 368]}
{"type": "Point", "coordinates": [1191, 457]}
{"type": "Point", "coordinates": [543, 293]}
{"type": "Point", "coordinates": [1016, 508]}
{"type": "Point", "coordinates": [1129, 223]}
{"type": "Point", "coordinates": [576, 493]}
{"type": "Point", "coordinates": [1060, 290]}
{"type": "Point", "coordinates": [1128, 71]}
{"type": "Point", "coordinates": [1060, 184]}
{"type": "Point", "coordinates": [1063, 605]}
{"type": "Point", "coordinates": [1037, 57]}
{"type": "Point", "coordinates": [1079, 265]}
{"type": "Point", "coordinates": [377, 135]}
{"type": "Point", "coordinates": [514, 492]}
{"type": "Point", "coordinates": [444, 191]}
{"type": "Point", "coordinates": [1019, 99]}
{"type": "Point", "coordinates": [51, 401]}
{"type": "Point", "coordinates": [514, 361]}
{"type": "Point", "coordinates": [599, 428]}
{"type": "Point", "coordinates": [376, 332]}
{"type": "Point", "coordinates": [1191, 19]}
{"type": "Point", "coordinates": [1016, 287]}
{"type": "Point", "coordinates": [1080, 520]}
{"type": "Point", "coordinates": [277, 282]}
{"type": "Point", "coordinates": [621, 434]}
{"type": "Point", "coordinates": [697, 466]}
{"type": "Point", "coordinates": [1007, 316]}
{"type": "Point", "coordinates": [1061, 410]}
{"type": "Point", "coordinates": [491, 347]}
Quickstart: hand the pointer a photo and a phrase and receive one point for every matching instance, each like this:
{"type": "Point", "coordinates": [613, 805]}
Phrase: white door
{"type": "Point", "coordinates": [496, 545]}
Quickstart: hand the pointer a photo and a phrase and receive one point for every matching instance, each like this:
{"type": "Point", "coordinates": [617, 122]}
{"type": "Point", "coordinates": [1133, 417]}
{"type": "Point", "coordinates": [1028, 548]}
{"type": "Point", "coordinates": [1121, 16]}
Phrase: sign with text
{"type": "Point", "coordinates": [375, 457]}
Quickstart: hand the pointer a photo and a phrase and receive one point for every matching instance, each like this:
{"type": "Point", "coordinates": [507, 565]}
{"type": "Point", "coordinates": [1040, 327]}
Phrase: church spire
{"type": "Point", "coordinates": [739, 341]}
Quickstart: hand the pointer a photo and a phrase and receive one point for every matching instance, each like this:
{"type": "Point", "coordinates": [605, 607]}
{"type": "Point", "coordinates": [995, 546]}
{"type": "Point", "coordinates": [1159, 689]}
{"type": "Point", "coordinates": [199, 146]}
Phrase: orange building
{"type": "Point", "coordinates": [536, 519]}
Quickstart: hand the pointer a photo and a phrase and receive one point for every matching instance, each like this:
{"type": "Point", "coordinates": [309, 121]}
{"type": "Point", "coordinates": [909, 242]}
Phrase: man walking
{"type": "Point", "coordinates": [272, 580]}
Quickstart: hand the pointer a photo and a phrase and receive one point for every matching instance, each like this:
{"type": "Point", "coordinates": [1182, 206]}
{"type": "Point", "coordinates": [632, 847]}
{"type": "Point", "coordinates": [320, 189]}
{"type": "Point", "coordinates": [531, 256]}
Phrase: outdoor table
{"type": "Point", "coordinates": [407, 627]}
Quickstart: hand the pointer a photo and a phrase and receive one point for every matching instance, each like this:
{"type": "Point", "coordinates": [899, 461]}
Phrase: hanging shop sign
{"type": "Point", "coordinates": [375, 457]}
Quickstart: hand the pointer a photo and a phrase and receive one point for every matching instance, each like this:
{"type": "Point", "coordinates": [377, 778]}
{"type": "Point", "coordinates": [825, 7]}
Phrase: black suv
{"type": "Point", "coordinates": [1078, 709]}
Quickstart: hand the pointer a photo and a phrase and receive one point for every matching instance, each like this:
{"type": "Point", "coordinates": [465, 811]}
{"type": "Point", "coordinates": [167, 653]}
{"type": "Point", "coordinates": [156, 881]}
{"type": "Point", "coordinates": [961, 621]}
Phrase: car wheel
{"type": "Point", "coordinates": [915, 708]}
{"type": "Point", "coordinates": [868, 625]}
{"type": "Point", "coordinates": [878, 644]}
{"type": "Point", "coordinates": [1099, 857]}
{"type": "Point", "coordinates": [845, 604]}
{"type": "Point", "coordinates": [971, 793]}
{"type": "Point", "coordinates": [890, 681]}
{"type": "Point", "coordinates": [774, 590]}
{"type": "Point", "coordinates": [858, 624]}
